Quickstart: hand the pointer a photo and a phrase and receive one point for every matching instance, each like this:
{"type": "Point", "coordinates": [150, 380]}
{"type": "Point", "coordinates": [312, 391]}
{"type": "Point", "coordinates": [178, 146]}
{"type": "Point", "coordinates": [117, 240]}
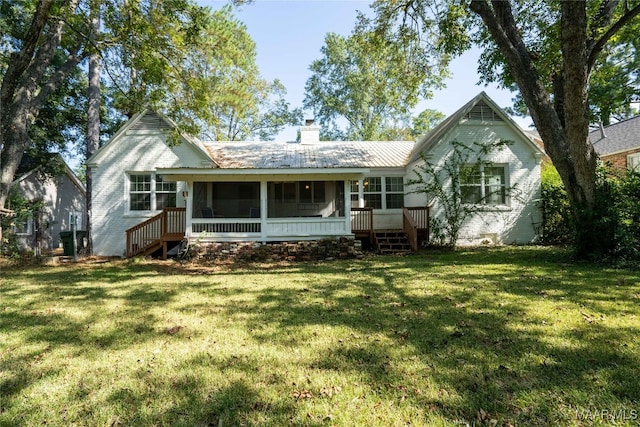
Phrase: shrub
{"type": "Point", "coordinates": [617, 210]}
{"type": "Point", "coordinates": [557, 225]}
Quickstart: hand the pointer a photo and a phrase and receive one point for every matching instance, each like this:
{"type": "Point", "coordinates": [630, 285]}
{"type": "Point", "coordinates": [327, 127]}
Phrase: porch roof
{"type": "Point", "coordinates": [236, 174]}
{"type": "Point", "coordinates": [320, 155]}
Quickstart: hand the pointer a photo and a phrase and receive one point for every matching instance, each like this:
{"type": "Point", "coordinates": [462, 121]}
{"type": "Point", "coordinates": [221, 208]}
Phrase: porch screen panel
{"type": "Point", "coordinates": [226, 200]}
{"type": "Point", "coordinates": [305, 199]}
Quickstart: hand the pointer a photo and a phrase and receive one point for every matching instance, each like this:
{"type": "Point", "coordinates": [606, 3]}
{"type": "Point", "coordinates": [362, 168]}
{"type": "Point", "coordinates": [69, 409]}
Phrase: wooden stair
{"type": "Point", "coordinates": [158, 234]}
{"type": "Point", "coordinates": [391, 242]}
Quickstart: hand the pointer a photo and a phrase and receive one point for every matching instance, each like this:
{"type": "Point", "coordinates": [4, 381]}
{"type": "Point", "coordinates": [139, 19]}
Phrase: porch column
{"type": "Point", "coordinates": [189, 209]}
{"type": "Point", "coordinates": [263, 210]}
{"type": "Point", "coordinates": [347, 205]}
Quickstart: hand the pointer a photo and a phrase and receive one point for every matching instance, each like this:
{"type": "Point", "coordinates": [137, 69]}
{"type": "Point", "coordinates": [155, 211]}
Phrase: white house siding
{"type": "Point", "coordinates": [511, 224]}
{"type": "Point", "coordinates": [60, 196]}
{"type": "Point", "coordinates": [134, 151]}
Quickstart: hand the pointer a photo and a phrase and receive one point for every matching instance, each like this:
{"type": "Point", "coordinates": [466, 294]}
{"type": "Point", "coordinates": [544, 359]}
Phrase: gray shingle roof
{"type": "Point", "coordinates": [333, 154]}
{"type": "Point", "coordinates": [620, 137]}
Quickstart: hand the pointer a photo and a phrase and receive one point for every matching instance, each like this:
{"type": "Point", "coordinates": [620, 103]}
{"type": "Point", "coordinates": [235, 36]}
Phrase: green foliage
{"type": "Point", "coordinates": [23, 210]}
{"type": "Point", "coordinates": [618, 211]}
{"type": "Point", "coordinates": [365, 85]}
{"type": "Point", "coordinates": [621, 208]}
{"type": "Point", "coordinates": [557, 216]}
{"type": "Point", "coordinates": [197, 66]}
{"type": "Point", "coordinates": [440, 181]}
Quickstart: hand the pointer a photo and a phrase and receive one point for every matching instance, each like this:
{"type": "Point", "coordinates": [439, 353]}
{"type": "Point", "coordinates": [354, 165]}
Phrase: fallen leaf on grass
{"type": "Point", "coordinates": [174, 330]}
{"type": "Point", "coordinates": [330, 391]}
{"type": "Point", "coordinates": [302, 394]}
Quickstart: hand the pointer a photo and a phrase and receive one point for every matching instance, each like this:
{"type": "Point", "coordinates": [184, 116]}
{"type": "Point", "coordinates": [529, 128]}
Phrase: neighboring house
{"type": "Point", "coordinates": [148, 192]}
{"type": "Point", "coordinates": [60, 197]}
{"type": "Point", "coordinates": [619, 144]}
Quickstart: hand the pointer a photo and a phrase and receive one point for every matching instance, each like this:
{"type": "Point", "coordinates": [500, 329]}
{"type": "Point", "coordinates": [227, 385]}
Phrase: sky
{"type": "Point", "coordinates": [290, 33]}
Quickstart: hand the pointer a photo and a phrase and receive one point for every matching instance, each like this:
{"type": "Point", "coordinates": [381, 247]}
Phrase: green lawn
{"type": "Point", "coordinates": [517, 336]}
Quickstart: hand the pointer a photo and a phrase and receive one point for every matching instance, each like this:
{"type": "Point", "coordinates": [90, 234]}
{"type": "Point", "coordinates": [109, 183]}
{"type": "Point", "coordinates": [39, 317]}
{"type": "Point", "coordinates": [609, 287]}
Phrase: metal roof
{"type": "Point", "coordinates": [320, 155]}
{"type": "Point", "coordinates": [618, 137]}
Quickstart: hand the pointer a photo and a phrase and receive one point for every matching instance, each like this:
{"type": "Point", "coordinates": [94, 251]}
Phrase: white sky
{"type": "Point", "coordinates": [290, 33]}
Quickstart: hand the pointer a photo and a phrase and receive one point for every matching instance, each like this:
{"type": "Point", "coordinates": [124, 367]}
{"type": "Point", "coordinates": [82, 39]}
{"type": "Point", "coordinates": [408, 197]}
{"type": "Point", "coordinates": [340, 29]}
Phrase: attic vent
{"type": "Point", "coordinates": [150, 122]}
{"type": "Point", "coordinates": [483, 112]}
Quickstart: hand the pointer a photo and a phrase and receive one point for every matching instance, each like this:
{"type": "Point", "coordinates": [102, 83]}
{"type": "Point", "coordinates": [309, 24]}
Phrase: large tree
{"type": "Point", "coordinates": [549, 50]}
{"type": "Point", "coordinates": [364, 88]}
{"type": "Point", "coordinates": [171, 55]}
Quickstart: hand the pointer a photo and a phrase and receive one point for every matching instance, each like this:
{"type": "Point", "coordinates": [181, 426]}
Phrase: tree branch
{"type": "Point", "coordinates": [19, 61]}
{"type": "Point", "coordinates": [597, 47]}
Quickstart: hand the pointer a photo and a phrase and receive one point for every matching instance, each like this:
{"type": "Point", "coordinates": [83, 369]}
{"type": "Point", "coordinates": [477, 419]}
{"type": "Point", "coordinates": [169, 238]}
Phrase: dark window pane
{"type": "Point", "coordinates": [395, 201]}
{"type": "Point", "coordinates": [140, 202]}
{"type": "Point", "coordinates": [318, 192]}
{"type": "Point", "coordinates": [165, 200]}
{"type": "Point", "coordinates": [373, 201]}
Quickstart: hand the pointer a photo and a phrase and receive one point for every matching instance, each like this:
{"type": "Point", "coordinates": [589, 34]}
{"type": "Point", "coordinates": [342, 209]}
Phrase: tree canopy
{"type": "Point", "coordinates": [170, 55]}
{"type": "Point", "coordinates": [364, 87]}
{"type": "Point", "coordinates": [549, 50]}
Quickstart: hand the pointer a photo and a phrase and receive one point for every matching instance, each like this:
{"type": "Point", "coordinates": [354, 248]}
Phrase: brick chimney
{"type": "Point", "coordinates": [309, 133]}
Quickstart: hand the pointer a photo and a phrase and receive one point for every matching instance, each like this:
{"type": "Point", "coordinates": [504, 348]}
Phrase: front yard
{"type": "Point", "coordinates": [507, 337]}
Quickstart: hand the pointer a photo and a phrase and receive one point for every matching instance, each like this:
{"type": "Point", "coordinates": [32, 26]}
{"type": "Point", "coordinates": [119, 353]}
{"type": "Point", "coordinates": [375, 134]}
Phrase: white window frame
{"type": "Point", "coordinates": [633, 162]}
{"type": "Point", "coordinates": [153, 192]}
{"type": "Point", "coordinates": [483, 184]}
{"type": "Point", "coordinates": [358, 191]}
{"type": "Point", "coordinates": [80, 219]}
{"type": "Point", "coordinates": [29, 223]}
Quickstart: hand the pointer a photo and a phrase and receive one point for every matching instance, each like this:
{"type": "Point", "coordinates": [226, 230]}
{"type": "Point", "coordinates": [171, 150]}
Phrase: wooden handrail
{"type": "Point", "coordinates": [362, 222]}
{"type": "Point", "coordinates": [420, 214]}
{"type": "Point", "coordinates": [410, 228]}
{"type": "Point", "coordinates": [150, 232]}
{"type": "Point", "coordinates": [415, 224]}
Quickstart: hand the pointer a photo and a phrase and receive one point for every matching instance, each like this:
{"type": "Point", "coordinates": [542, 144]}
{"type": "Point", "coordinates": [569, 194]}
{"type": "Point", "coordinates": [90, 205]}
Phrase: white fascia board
{"type": "Point", "coordinates": [186, 174]}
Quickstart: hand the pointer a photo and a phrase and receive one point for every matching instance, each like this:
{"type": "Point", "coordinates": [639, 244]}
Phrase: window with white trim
{"type": "Point", "coordinates": [394, 192]}
{"type": "Point", "coordinates": [378, 192]}
{"type": "Point", "coordinates": [633, 162]}
{"type": "Point", "coordinates": [79, 218]}
{"type": "Point", "coordinates": [372, 192]}
{"type": "Point", "coordinates": [150, 192]}
{"type": "Point", "coordinates": [483, 184]}
{"type": "Point", "coordinates": [23, 226]}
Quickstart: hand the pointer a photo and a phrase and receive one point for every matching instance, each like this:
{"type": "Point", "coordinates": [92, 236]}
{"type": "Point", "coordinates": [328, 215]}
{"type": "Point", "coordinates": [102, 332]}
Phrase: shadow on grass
{"type": "Point", "coordinates": [464, 322]}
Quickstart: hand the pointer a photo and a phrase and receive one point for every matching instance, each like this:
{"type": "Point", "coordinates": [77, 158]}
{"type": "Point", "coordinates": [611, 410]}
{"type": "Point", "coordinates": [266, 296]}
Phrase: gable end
{"type": "Point", "coordinates": [150, 122]}
{"type": "Point", "coordinates": [483, 112]}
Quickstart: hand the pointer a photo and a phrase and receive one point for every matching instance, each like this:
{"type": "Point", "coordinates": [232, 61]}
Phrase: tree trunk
{"type": "Point", "coordinates": [93, 117]}
{"type": "Point", "coordinates": [562, 124]}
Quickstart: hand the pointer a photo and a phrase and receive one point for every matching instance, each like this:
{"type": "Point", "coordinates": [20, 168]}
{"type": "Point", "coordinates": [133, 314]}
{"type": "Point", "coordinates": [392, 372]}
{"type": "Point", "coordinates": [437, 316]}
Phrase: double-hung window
{"type": "Point", "coordinates": [23, 225]}
{"type": "Point", "coordinates": [633, 162]}
{"type": "Point", "coordinates": [165, 193]}
{"type": "Point", "coordinates": [394, 187]}
{"type": "Point", "coordinates": [372, 192]}
{"type": "Point", "coordinates": [150, 192]}
{"type": "Point", "coordinates": [483, 184]}
{"type": "Point", "coordinates": [378, 192]}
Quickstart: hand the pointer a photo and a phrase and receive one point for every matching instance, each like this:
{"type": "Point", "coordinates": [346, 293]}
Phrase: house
{"type": "Point", "coordinates": [619, 143]}
{"type": "Point", "coordinates": [149, 193]}
{"type": "Point", "coordinates": [58, 200]}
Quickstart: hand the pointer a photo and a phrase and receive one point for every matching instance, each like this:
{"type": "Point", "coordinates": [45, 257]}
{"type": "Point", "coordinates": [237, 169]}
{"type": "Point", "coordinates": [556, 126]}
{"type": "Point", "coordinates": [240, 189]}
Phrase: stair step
{"type": "Point", "coordinates": [391, 242]}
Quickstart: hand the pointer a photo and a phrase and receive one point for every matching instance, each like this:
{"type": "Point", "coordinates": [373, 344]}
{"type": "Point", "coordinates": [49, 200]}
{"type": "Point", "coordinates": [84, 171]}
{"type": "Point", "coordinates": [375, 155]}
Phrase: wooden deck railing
{"type": "Point", "coordinates": [415, 224]}
{"type": "Point", "coordinates": [168, 224]}
{"type": "Point", "coordinates": [362, 221]}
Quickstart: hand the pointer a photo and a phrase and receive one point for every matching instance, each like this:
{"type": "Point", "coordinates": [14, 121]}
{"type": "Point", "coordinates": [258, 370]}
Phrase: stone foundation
{"type": "Point", "coordinates": [311, 250]}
